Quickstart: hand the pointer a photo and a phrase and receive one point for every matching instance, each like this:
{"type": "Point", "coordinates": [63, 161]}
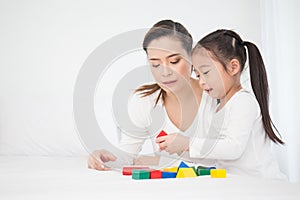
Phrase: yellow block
{"type": "Point", "coordinates": [170, 169]}
{"type": "Point", "coordinates": [186, 173]}
{"type": "Point", "coordinates": [218, 173]}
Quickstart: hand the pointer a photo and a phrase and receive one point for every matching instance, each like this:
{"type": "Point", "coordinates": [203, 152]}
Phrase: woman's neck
{"type": "Point", "coordinates": [183, 107]}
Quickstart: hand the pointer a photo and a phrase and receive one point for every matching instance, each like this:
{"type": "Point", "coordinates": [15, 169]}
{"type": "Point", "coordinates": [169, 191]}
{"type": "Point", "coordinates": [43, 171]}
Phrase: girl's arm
{"type": "Point", "coordinates": [229, 134]}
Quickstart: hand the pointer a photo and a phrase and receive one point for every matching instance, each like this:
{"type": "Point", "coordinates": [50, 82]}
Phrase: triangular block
{"type": "Point", "coordinates": [170, 169]}
{"type": "Point", "coordinates": [183, 165]}
{"type": "Point", "coordinates": [162, 133]}
{"type": "Point", "coordinates": [186, 173]}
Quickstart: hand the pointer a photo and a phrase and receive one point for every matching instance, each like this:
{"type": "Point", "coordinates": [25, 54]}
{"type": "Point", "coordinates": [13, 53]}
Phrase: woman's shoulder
{"type": "Point", "coordinates": [140, 107]}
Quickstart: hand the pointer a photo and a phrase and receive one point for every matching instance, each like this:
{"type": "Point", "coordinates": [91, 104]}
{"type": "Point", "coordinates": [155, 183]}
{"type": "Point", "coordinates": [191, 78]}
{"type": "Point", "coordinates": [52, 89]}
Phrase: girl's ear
{"type": "Point", "coordinates": [233, 67]}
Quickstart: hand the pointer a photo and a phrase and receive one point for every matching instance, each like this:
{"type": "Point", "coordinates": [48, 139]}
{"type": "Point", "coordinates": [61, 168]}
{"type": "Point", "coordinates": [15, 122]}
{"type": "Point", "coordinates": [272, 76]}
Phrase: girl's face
{"type": "Point", "coordinates": [213, 78]}
{"type": "Point", "coordinates": [170, 63]}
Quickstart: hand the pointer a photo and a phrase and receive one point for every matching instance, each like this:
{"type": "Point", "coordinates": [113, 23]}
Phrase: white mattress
{"type": "Point", "coordinates": [29, 177]}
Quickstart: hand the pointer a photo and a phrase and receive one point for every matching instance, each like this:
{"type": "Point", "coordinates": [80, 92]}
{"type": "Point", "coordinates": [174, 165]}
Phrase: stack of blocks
{"type": "Point", "coordinates": [182, 171]}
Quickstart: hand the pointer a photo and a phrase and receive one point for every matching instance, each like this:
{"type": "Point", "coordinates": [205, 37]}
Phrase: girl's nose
{"type": "Point", "coordinates": [202, 81]}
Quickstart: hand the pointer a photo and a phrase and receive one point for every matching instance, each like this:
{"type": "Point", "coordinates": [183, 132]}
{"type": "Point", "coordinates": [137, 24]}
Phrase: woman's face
{"type": "Point", "coordinates": [170, 63]}
{"type": "Point", "coordinates": [213, 78]}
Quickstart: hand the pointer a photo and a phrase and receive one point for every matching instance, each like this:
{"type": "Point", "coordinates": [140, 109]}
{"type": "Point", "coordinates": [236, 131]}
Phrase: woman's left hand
{"type": "Point", "coordinates": [173, 143]}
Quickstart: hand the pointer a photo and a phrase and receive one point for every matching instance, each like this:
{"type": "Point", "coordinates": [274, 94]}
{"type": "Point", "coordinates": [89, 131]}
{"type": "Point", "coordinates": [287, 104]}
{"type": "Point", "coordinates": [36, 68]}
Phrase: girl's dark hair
{"type": "Point", "coordinates": [225, 45]}
{"type": "Point", "coordinates": [164, 28]}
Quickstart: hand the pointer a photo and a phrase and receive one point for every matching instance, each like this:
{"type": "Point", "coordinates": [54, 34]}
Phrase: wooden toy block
{"type": "Point", "coordinates": [218, 173]}
{"type": "Point", "coordinates": [162, 133]}
{"type": "Point", "coordinates": [169, 174]}
{"type": "Point", "coordinates": [127, 171]}
{"type": "Point", "coordinates": [203, 172]}
{"type": "Point", "coordinates": [140, 174]}
{"type": "Point", "coordinates": [183, 165]}
{"type": "Point", "coordinates": [154, 174]}
{"type": "Point", "coordinates": [201, 167]}
{"type": "Point", "coordinates": [171, 169]}
{"type": "Point", "coordinates": [186, 173]}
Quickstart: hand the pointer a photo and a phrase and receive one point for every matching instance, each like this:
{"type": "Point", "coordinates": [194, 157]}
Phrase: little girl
{"type": "Point", "coordinates": [238, 130]}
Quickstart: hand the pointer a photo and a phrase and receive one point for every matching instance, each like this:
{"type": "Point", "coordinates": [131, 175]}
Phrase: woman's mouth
{"type": "Point", "coordinates": [169, 83]}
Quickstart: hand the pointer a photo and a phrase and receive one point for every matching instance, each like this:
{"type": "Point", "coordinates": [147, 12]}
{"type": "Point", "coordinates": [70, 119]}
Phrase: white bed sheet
{"type": "Point", "coordinates": [30, 177]}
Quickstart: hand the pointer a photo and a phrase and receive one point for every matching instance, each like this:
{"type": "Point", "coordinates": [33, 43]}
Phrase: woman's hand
{"type": "Point", "coordinates": [97, 159]}
{"type": "Point", "coordinates": [173, 143]}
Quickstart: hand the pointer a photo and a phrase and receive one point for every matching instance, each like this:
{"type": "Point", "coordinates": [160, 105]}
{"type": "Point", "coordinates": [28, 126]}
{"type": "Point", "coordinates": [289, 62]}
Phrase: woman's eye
{"type": "Point", "coordinates": [155, 65]}
{"type": "Point", "coordinates": [175, 62]}
{"type": "Point", "coordinates": [205, 72]}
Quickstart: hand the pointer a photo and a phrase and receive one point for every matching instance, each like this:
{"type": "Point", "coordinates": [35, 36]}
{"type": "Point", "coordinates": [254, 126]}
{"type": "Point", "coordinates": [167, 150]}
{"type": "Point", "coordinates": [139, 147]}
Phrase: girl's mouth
{"type": "Point", "coordinates": [208, 90]}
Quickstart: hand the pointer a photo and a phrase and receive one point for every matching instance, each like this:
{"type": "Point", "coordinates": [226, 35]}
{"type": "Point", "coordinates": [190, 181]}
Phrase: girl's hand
{"type": "Point", "coordinates": [173, 143]}
{"type": "Point", "coordinates": [97, 159]}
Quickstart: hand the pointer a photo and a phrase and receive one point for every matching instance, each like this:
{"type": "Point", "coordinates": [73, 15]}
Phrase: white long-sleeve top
{"type": "Point", "coordinates": [143, 113]}
{"type": "Point", "coordinates": [235, 137]}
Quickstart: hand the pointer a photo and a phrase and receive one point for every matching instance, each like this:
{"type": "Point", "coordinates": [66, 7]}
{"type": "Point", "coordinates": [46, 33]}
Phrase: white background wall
{"type": "Point", "coordinates": [44, 43]}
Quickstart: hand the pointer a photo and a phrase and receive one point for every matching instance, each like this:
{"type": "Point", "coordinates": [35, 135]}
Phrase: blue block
{"type": "Point", "coordinates": [168, 174]}
{"type": "Point", "coordinates": [183, 165]}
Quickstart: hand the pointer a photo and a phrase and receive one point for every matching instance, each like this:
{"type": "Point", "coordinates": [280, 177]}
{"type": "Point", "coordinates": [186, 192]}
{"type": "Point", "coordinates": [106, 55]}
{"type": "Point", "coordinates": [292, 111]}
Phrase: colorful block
{"type": "Point", "coordinates": [127, 171]}
{"type": "Point", "coordinates": [140, 174]}
{"type": "Point", "coordinates": [183, 165]}
{"type": "Point", "coordinates": [154, 174]}
{"type": "Point", "coordinates": [169, 174]}
{"type": "Point", "coordinates": [186, 173]}
{"type": "Point", "coordinates": [201, 167]}
{"type": "Point", "coordinates": [218, 173]}
{"type": "Point", "coordinates": [162, 133]}
{"type": "Point", "coordinates": [203, 172]}
{"type": "Point", "coordinates": [171, 169]}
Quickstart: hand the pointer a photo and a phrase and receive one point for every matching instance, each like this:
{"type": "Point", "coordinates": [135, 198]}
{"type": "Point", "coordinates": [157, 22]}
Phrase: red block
{"type": "Point", "coordinates": [162, 133]}
{"type": "Point", "coordinates": [155, 174]}
{"type": "Point", "coordinates": [127, 171]}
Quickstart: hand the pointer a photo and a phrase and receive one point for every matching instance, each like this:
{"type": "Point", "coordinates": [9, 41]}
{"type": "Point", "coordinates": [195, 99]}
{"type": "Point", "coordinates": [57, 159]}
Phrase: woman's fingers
{"type": "Point", "coordinates": [106, 157]}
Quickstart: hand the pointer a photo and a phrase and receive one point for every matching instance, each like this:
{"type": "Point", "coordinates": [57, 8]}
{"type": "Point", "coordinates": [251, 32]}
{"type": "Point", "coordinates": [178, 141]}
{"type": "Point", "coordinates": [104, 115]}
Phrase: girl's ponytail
{"type": "Point", "coordinates": [260, 88]}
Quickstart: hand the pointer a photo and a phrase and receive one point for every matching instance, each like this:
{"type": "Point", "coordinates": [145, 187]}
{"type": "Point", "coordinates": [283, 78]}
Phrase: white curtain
{"type": "Point", "coordinates": [280, 43]}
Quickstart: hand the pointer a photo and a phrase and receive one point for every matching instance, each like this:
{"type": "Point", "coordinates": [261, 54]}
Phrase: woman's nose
{"type": "Point", "coordinates": [166, 71]}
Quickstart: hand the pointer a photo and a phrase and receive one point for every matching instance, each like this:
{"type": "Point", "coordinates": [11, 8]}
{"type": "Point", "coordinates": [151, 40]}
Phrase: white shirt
{"type": "Point", "coordinates": [140, 110]}
{"type": "Point", "coordinates": [236, 138]}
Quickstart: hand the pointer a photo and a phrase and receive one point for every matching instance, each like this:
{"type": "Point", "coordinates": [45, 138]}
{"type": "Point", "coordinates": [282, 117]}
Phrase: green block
{"type": "Point", "coordinates": [201, 167]}
{"type": "Point", "coordinates": [203, 172]}
{"type": "Point", "coordinates": [140, 174]}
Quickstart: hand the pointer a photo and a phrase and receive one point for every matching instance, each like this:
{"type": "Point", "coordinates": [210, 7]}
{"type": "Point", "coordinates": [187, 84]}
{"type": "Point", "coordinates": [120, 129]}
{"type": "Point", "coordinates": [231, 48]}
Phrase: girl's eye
{"type": "Point", "coordinates": [155, 65]}
{"type": "Point", "coordinates": [197, 76]}
{"type": "Point", "coordinates": [175, 62]}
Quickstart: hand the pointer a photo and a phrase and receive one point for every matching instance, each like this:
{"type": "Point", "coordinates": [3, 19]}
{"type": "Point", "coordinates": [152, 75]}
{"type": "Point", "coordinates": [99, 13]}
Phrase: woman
{"type": "Point", "coordinates": [168, 46]}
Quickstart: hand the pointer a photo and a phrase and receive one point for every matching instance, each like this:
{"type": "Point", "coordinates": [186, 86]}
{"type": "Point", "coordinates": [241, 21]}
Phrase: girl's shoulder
{"type": "Point", "coordinates": [244, 100]}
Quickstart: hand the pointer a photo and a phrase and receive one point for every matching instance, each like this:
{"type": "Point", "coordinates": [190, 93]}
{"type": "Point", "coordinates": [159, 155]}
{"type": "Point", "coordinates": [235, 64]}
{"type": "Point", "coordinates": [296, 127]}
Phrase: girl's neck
{"type": "Point", "coordinates": [232, 90]}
